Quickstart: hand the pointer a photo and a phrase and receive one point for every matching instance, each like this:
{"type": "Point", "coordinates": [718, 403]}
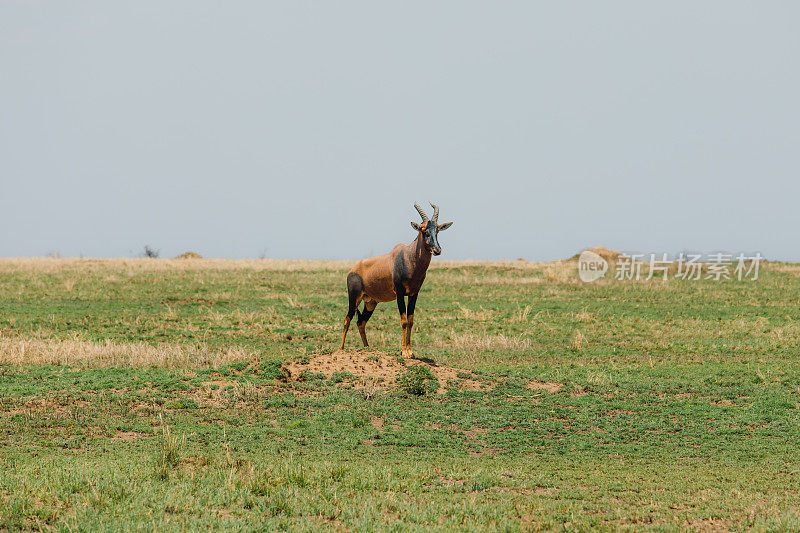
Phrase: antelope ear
{"type": "Point", "coordinates": [416, 226]}
{"type": "Point", "coordinates": [444, 226]}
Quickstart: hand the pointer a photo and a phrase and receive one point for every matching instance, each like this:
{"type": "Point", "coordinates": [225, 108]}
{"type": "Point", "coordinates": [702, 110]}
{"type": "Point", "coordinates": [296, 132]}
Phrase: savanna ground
{"type": "Point", "coordinates": [154, 394]}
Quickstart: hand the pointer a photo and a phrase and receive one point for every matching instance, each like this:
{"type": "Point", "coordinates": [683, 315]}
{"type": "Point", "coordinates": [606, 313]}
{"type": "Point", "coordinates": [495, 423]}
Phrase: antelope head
{"type": "Point", "coordinates": [430, 228]}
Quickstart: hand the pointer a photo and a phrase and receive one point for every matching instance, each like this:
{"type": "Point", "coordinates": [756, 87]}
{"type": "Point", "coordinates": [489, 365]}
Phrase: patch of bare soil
{"type": "Point", "coordinates": [545, 385]}
{"type": "Point", "coordinates": [380, 370]}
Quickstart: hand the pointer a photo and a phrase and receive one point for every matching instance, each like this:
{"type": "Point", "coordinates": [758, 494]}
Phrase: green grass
{"type": "Point", "coordinates": [667, 406]}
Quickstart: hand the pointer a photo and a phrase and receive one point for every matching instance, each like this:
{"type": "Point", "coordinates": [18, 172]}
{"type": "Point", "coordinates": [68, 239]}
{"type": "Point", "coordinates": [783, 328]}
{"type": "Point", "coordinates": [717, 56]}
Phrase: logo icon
{"type": "Point", "coordinates": [591, 266]}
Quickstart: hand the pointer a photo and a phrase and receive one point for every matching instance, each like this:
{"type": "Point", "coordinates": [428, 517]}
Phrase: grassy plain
{"type": "Point", "coordinates": [149, 394]}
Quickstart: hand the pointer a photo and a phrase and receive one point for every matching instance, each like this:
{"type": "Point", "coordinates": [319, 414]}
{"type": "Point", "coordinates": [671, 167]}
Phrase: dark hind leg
{"type": "Point", "coordinates": [369, 307]}
{"type": "Point", "coordinates": [355, 288]}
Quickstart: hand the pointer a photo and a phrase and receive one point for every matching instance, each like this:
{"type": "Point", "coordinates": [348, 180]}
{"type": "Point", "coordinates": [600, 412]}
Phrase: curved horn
{"type": "Point", "coordinates": [435, 212]}
{"type": "Point", "coordinates": [421, 212]}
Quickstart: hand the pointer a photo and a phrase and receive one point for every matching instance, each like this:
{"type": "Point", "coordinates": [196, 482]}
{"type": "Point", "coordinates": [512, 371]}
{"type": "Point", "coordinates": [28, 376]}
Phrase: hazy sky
{"type": "Point", "coordinates": [308, 129]}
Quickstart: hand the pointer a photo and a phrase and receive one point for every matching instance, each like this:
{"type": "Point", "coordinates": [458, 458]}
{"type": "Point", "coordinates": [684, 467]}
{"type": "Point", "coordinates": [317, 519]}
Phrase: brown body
{"type": "Point", "coordinates": [393, 276]}
{"type": "Point", "coordinates": [377, 272]}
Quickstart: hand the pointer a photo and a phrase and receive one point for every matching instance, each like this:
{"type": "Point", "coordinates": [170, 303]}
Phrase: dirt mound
{"type": "Point", "coordinates": [189, 255]}
{"type": "Point", "coordinates": [609, 255]}
{"type": "Point", "coordinates": [380, 370]}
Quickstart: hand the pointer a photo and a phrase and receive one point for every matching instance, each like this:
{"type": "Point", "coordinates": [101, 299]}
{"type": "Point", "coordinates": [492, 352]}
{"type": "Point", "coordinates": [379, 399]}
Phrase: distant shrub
{"type": "Point", "coordinates": [418, 380]}
{"type": "Point", "coordinates": [189, 255]}
{"type": "Point", "coordinates": [150, 252]}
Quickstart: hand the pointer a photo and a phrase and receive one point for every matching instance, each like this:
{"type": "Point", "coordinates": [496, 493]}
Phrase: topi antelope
{"type": "Point", "coordinates": [398, 274]}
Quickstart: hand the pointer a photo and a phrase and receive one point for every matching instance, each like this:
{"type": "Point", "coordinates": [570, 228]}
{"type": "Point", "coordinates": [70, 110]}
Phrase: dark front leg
{"type": "Point", "coordinates": [412, 302]}
{"type": "Point", "coordinates": [401, 307]}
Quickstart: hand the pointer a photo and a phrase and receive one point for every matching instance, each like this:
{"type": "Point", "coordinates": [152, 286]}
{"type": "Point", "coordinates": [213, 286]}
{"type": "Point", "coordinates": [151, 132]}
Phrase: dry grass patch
{"type": "Point", "coordinates": [562, 272]}
{"type": "Point", "coordinates": [76, 352]}
{"type": "Point", "coordinates": [471, 341]}
{"type": "Point", "coordinates": [295, 303]}
{"type": "Point", "coordinates": [505, 265]}
{"type": "Point", "coordinates": [483, 314]}
{"type": "Point", "coordinates": [578, 341]}
{"type": "Point", "coordinates": [226, 394]}
{"type": "Point", "coordinates": [507, 280]}
{"type": "Point", "coordinates": [584, 316]}
{"type": "Point", "coordinates": [52, 264]}
{"type": "Point", "coordinates": [787, 268]}
{"type": "Point", "coordinates": [522, 314]}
